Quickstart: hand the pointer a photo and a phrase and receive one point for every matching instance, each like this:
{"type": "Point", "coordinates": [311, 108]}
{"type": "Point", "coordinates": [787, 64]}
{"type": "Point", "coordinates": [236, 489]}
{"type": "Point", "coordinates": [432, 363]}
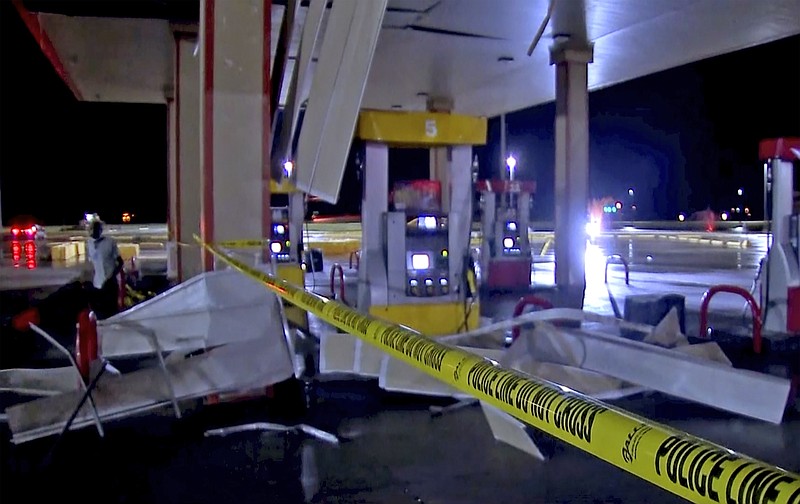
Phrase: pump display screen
{"type": "Point", "coordinates": [420, 261]}
{"type": "Point", "coordinates": [279, 245]}
{"type": "Point", "coordinates": [427, 273]}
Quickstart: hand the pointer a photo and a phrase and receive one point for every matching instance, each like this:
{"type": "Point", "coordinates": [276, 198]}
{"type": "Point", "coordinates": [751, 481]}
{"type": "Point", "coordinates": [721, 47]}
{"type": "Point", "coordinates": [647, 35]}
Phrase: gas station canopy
{"type": "Point", "coordinates": [473, 51]}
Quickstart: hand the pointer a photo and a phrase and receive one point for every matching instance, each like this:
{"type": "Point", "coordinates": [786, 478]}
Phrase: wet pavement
{"type": "Point", "coordinates": [391, 448]}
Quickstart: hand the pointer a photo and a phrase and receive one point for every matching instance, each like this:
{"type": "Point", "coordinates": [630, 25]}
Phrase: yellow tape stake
{"type": "Point", "coordinates": [690, 467]}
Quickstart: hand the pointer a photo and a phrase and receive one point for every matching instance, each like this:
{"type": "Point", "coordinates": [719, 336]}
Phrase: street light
{"type": "Point", "coordinates": [740, 191]}
{"type": "Point", "coordinates": [630, 191]}
{"type": "Point", "coordinates": [288, 168]}
{"type": "Point", "coordinates": [511, 162]}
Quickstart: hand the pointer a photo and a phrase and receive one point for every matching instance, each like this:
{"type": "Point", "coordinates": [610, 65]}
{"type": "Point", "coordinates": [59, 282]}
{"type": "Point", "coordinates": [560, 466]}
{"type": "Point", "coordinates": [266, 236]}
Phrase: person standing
{"type": "Point", "coordinates": [107, 262]}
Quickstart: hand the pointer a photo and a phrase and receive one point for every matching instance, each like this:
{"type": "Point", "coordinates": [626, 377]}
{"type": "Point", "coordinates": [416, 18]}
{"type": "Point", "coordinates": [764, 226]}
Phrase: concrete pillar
{"type": "Point", "coordinates": [184, 214]}
{"type": "Point", "coordinates": [440, 156]}
{"type": "Point", "coordinates": [571, 166]}
{"type": "Point", "coordinates": [374, 205]}
{"type": "Point", "coordinates": [234, 120]}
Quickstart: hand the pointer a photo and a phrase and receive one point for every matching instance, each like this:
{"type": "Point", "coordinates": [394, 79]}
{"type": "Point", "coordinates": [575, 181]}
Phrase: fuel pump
{"type": "Point", "coordinates": [415, 250]}
{"type": "Point", "coordinates": [506, 248]}
{"type": "Point", "coordinates": [780, 275]}
{"type": "Point", "coordinates": [286, 240]}
{"type": "Point", "coordinates": [280, 245]}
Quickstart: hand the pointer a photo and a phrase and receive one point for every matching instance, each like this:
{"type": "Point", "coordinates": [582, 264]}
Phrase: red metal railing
{"type": "Point", "coordinates": [122, 282]}
{"type": "Point", "coordinates": [527, 300]}
{"type": "Point", "coordinates": [732, 289]}
{"type": "Point", "coordinates": [338, 267]}
{"type": "Point", "coordinates": [618, 260]}
{"type": "Point", "coordinates": [87, 348]}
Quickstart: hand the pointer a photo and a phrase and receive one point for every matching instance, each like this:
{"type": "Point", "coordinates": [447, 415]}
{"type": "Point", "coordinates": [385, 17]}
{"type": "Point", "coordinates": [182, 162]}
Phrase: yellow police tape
{"type": "Point", "coordinates": [243, 243]}
{"type": "Point", "coordinates": [692, 468]}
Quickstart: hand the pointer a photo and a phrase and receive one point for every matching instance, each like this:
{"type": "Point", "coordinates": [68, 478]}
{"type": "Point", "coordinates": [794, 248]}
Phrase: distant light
{"type": "Point", "coordinates": [288, 168]}
{"type": "Point", "coordinates": [428, 282]}
{"type": "Point", "coordinates": [618, 204]}
{"type": "Point", "coordinates": [724, 215]}
{"type": "Point", "coordinates": [630, 192]}
{"type": "Point", "coordinates": [593, 229]}
{"type": "Point", "coordinates": [740, 191]}
{"type": "Point", "coordinates": [443, 282]}
{"type": "Point", "coordinates": [512, 226]}
{"type": "Point", "coordinates": [511, 162]}
{"type": "Point", "coordinates": [649, 258]}
{"type": "Point", "coordinates": [738, 209]}
{"type": "Point", "coordinates": [633, 207]}
{"type": "Point", "coordinates": [444, 253]}
{"type": "Point", "coordinates": [747, 210]}
{"type": "Point", "coordinates": [275, 247]}
{"type": "Point", "coordinates": [427, 222]}
{"type": "Point", "coordinates": [508, 242]}
{"type": "Point", "coordinates": [681, 217]}
{"type": "Point", "coordinates": [280, 229]}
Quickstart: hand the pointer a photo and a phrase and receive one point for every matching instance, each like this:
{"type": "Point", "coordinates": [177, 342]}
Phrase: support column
{"type": "Point", "coordinates": [234, 120]}
{"type": "Point", "coordinates": [572, 167]}
{"type": "Point", "coordinates": [184, 216]}
{"type": "Point", "coordinates": [374, 205]}
{"type": "Point", "coordinates": [460, 218]}
{"type": "Point", "coordinates": [439, 156]}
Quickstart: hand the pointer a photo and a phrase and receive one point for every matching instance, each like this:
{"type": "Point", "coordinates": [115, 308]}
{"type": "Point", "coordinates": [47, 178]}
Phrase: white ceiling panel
{"type": "Point", "coordinates": [632, 38]}
{"type": "Point", "coordinates": [503, 19]}
{"type": "Point", "coordinates": [451, 48]}
{"type": "Point", "coordinates": [113, 59]}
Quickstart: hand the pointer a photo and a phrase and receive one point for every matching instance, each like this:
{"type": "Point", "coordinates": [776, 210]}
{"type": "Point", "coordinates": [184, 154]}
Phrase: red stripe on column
{"type": "Point", "coordinates": [31, 20]}
{"type": "Point", "coordinates": [178, 230]}
{"type": "Point", "coordinates": [207, 221]}
{"type": "Point", "coordinates": [266, 132]}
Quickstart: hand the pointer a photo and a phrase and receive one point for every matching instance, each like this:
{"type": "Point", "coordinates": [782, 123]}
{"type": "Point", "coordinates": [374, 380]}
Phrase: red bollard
{"type": "Point", "coordinates": [732, 289]}
{"type": "Point", "coordinates": [357, 255]}
{"type": "Point", "coordinates": [87, 348]}
{"type": "Point", "coordinates": [122, 291]}
{"type": "Point", "coordinates": [334, 268]}
{"type": "Point", "coordinates": [529, 300]}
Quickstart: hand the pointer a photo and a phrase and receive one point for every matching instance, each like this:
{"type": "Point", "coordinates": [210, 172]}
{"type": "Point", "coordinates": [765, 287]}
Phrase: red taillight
{"type": "Point", "coordinates": [15, 231]}
{"type": "Point", "coordinates": [30, 231]}
{"type": "Point", "coordinates": [16, 252]}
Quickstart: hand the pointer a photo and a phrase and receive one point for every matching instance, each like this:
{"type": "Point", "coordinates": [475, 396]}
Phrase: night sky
{"type": "Point", "coordinates": [684, 139]}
